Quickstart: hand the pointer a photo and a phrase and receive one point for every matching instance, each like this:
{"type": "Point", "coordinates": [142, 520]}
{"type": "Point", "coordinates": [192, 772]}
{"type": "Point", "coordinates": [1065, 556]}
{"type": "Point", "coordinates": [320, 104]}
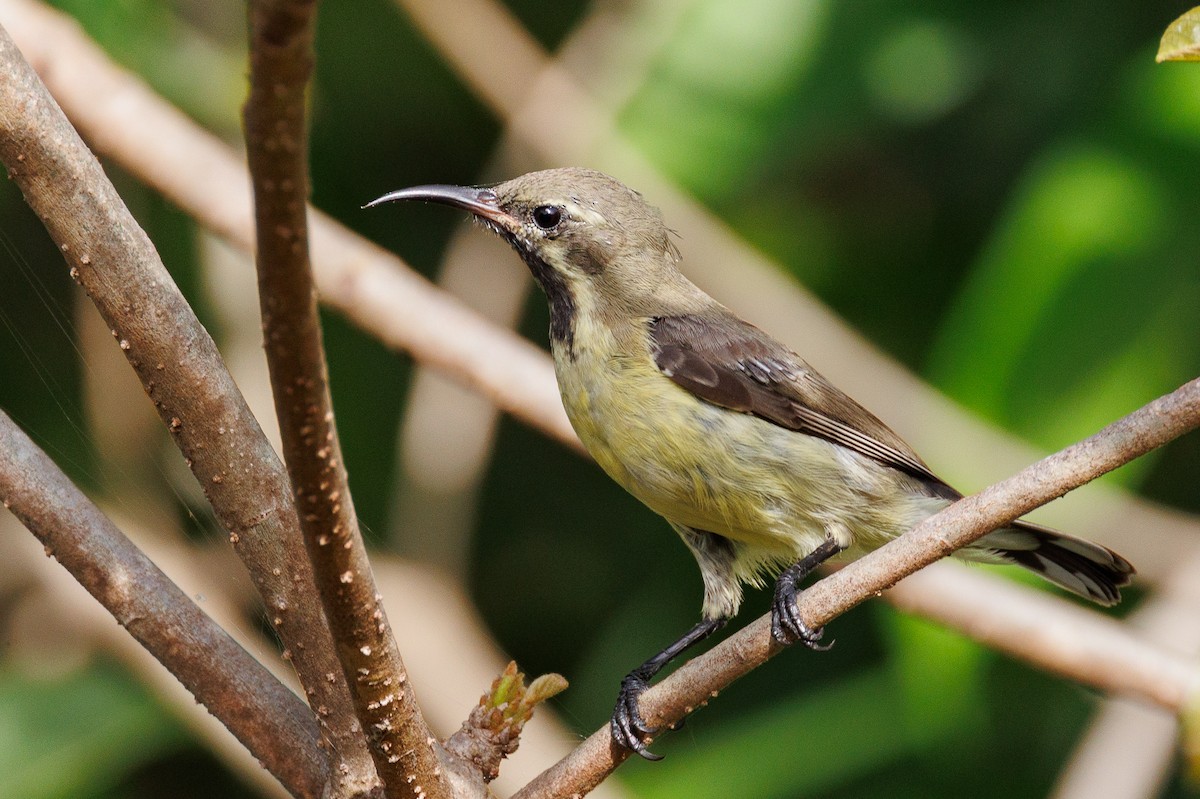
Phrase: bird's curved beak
{"type": "Point", "coordinates": [479, 201]}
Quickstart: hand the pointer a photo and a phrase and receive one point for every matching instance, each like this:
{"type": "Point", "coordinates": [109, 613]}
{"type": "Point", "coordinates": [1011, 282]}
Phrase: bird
{"type": "Point", "coordinates": [761, 465]}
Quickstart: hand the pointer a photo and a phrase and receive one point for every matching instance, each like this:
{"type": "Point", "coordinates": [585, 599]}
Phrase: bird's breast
{"type": "Point", "coordinates": [777, 491]}
{"type": "Point", "coordinates": [690, 461]}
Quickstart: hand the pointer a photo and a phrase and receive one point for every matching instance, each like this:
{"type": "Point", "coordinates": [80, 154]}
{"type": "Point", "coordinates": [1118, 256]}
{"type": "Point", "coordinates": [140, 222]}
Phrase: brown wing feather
{"type": "Point", "coordinates": [731, 363]}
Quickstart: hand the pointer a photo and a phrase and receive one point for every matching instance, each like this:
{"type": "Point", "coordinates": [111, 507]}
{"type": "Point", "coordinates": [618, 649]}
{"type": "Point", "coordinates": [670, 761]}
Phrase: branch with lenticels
{"type": "Point", "coordinates": [405, 753]}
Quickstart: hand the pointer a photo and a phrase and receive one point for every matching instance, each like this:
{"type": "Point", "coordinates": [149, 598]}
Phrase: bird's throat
{"type": "Point", "coordinates": [562, 302]}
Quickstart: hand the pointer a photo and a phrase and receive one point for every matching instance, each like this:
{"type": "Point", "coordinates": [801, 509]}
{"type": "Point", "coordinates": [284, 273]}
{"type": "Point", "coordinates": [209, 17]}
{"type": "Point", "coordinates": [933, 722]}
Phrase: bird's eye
{"type": "Point", "coordinates": [547, 217]}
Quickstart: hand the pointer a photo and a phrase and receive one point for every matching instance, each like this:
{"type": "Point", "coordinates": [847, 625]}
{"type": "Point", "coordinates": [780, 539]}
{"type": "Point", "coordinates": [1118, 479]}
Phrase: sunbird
{"type": "Point", "coordinates": [758, 462]}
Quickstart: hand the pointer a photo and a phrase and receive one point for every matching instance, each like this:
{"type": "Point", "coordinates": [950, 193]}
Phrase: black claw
{"type": "Point", "coordinates": [627, 726]}
{"type": "Point", "coordinates": [787, 629]}
{"type": "Point", "coordinates": [786, 625]}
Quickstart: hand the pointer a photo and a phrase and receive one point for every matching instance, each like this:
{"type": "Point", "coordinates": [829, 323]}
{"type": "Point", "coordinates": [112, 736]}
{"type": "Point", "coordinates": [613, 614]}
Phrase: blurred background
{"type": "Point", "coordinates": [1000, 196]}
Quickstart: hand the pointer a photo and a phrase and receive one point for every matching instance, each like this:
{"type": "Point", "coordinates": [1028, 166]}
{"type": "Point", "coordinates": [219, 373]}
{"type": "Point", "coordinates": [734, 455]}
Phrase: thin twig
{"type": "Point", "coordinates": [1127, 664]}
{"type": "Point", "coordinates": [269, 719]}
{"type": "Point", "coordinates": [281, 60]}
{"type": "Point", "coordinates": [181, 370]}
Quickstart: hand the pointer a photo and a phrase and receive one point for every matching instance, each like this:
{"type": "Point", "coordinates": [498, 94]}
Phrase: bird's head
{"type": "Point", "coordinates": [590, 241]}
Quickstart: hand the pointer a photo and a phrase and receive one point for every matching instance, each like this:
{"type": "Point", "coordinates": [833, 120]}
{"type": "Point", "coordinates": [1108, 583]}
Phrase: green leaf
{"type": "Point", "coordinates": [1076, 312]}
{"type": "Point", "coordinates": [78, 735]}
{"type": "Point", "coordinates": [940, 675]}
{"type": "Point", "coordinates": [1181, 42]}
{"type": "Point", "coordinates": [709, 108]}
{"type": "Point", "coordinates": [805, 745]}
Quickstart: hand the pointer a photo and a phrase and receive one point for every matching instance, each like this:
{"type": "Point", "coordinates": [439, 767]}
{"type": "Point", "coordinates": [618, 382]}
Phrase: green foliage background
{"type": "Point", "coordinates": [1002, 195]}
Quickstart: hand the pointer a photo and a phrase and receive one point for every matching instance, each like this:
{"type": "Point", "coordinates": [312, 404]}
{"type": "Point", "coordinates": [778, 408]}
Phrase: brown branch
{"type": "Point", "coordinates": [181, 370]}
{"type": "Point", "coordinates": [1126, 664]}
{"type": "Point", "coordinates": [281, 61]}
{"type": "Point", "coordinates": [401, 745]}
{"type": "Point", "coordinates": [264, 715]}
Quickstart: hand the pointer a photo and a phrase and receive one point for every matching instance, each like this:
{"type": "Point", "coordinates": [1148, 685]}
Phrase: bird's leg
{"type": "Point", "coordinates": [786, 625]}
{"type": "Point", "coordinates": [628, 726]}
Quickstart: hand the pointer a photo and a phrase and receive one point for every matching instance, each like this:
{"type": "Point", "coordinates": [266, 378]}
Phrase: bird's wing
{"type": "Point", "coordinates": [733, 364]}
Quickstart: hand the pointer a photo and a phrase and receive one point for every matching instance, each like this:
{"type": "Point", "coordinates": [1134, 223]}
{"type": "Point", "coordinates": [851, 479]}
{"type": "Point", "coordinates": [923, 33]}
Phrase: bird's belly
{"type": "Point", "coordinates": [778, 491]}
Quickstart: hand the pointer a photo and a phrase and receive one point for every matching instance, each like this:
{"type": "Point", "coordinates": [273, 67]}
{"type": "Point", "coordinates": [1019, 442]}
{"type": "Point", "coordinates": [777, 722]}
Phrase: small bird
{"type": "Point", "coordinates": [758, 462]}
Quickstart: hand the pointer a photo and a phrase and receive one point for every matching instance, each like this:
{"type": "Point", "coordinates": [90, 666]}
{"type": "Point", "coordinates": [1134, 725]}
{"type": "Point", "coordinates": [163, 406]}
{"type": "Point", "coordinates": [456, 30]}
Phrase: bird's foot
{"type": "Point", "coordinates": [627, 725]}
{"type": "Point", "coordinates": [786, 625]}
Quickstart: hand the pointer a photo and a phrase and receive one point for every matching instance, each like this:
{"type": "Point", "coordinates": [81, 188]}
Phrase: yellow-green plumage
{"type": "Point", "coordinates": [775, 494]}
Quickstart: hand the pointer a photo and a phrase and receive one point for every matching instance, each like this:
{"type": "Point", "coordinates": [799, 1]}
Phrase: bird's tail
{"type": "Point", "coordinates": [1081, 567]}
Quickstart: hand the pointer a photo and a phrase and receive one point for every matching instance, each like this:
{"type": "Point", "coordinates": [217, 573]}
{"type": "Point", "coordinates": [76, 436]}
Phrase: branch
{"type": "Point", "coordinates": [1106, 656]}
{"type": "Point", "coordinates": [181, 370]}
{"type": "Point", "coordinates": [265, 716]}
{"type": "Point", "coordinates": [281, 61]}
